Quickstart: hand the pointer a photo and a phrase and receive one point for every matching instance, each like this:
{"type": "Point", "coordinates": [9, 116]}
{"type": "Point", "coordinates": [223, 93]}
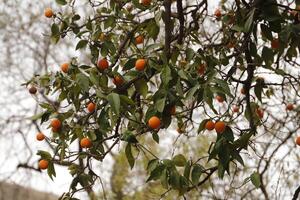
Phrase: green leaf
{"type": "Point", "coordinates": [152, 29]}
{"type": "Point", "coordinates": [36, 117]}
{"type": "Point", "coordinates": [187, 170]}
{"type": "Point", "coordinates": [235, 155]}
{"type": "Point", "coordinates": [54, 30]}
{"type": "Point", "coordinates": [166, 75]}
{"type": "Point", "coordinates": [83, 82]}
{"type": "Point", "coordinates": [152, 164]}
{"type": "Point", "coordinates": [258, 90]}
{"type": "Point", "coordinates": [51, 171]}
{"type": "Point", "coordinates": [129, 137]}
{"type": "Point", "coordinates": [156, 173]}
{"type": "Point", "coordinates": [249, 21]}
{"type": "Point", "coordinates": [189, 54]}
{"type": "Point", "coordinates": [110, 22]}
{"type": "Point", "coordinates": [129, 155]}
{"type": "Point", "coordinates": [224, 85]}
{"type": "Point", "coordinates": [114, 101]}
{"type": "Point", "coordinates": [267, 55]}
{"type": "Point", "coordinates": [164, 179]}
{"type": "Point", "coordinates": [255, 179]}
{"type": "Point", "coordinates": [228, 134]}
{"type": "Point", "coordinates": [196, 173]}
{"type": "Point", "coordinates": [81, 44]}
{"type": "Point", "coordinates": [179, 160]}
{"type": "Point", "coordinates": [142, 87]}
{"type": "Point", "coordinates": [266, 31]}
{"type": "Point", "coordinates": [155, 137]}
{"type": "Point", "coordinates": [61, 2]}
{"type": "Point", "coordinates": [129, 64]}
{"type": "Point", "coordinates": [44, 155]}
{"type": "Point", "coordinates": [160, 104]}
{"type": "Point", "coordinates": [174, 180]}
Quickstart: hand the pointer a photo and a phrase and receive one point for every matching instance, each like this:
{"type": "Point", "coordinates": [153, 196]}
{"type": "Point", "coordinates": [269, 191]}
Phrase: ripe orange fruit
{"type": "Point", "coordinates": [54, 129]}
{"type": "Point", "coordinates": [146, 2]}
{"type": "Point", "coordinates": [55, 124]}
{"type": "Point", "coordinates": [236, 109]}
{"type": "Point", "coordinates": [275, 44]}
{"type": "Point", "coordinates": [173, 110]}
{"type": "Point", "coordinates": [290, 106]}
{"type": "Point", "coordinates": [220, 99]}
{"type": "Point", "coordinates": [40, 136]}
{"type": "Point", "coordinates": [139, 39]}
{"type": "Point", "coordinates": [85, 142]}
{"type": "Point", "coordinates": [230, 45]}
{"type": "Point", "coordinates": [201, 69]}
{"type": "Point", "coordinates": [260, 113]}
{"type": "Point", "coordinates": [43, 164]}
{"type": "Point", "coordinates": [154, 122]}
{"type": "Point", "coordinates": [118, 80]}
{"type": "Point", "coordinates": [103, 64]}
{"type": "Point", "coordinates": [210, 125]}
{"type": "Point", "coordinates": [243, 91]}
{"type": "Point", "coordinates": [64, 67]}
{"type": "Point", "coordinates": [220, 127]}
{"type": "Point", "coordinates": [218, 13]}
{"type": "Point", "coordinates": [140, 64]}
{"type": "Point", "coordinates": [298, 140]}
{"type": "Point", "coordinates": [32, 90]}
{"type": "Point", "coordinates": [91, 107]}
{"type": "Point", "coordinates": [48, 12]}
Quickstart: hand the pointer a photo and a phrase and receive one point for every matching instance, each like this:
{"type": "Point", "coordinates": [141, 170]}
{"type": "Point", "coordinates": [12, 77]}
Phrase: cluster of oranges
{"type": "Point", "coordinates": [219, 126]}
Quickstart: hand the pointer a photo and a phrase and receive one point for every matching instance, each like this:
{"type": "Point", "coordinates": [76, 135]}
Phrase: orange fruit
{"type": "Point", "coordinates": [154, 122]}
{"type": "Point", "coordinates": [209, 125]}
{"type": "Point", "coordinates": [220, 127]}
{"type": "Point", "coordinates": [220, 99]}
{"type": "Point", "coordinates": [201, 69]}
{"type": "Point", "coordinates": [290, 106]}
{"type": "Point", "coordinates": [298, 140]}
{"type": "Point", "coordinates": [173, 110]}
{"type": "Point", "coordinates": [140, 64]}
{"type": "Point", "coordinates": [40, 136]}
{"type": "Point", "coordinates": [85, 142]}
{"type": "Point", "coordinates": [43, 164]}
{"type": "Point", "coordinates": [146, 2]}
{"type": "Point", "coordinates": [230, 45]}
{"type": "Point", "coordinates": [236, 109]}
{"type": "Point", "coordinates": [32, 90]}
{"type": "Point", "coordinates": [64, 67]}
{"type": "Point", "coordinates": [275, 44]}
{"type": "Point", "coordinates": [48, 12]}
{"type": "Point", "coordinates": [118, 80]}
{"type": "Point", "coordinates": [243, 90]}
{"type": "Point", "coordinates": [218, 13]}
{"type": "Point", "coordinates": [91, 107]}
{"type": "Point", "coordinates": [139, 39]}
{"type": "Point", "coordinates": [260, 113]}
{"type": "Point", "coordinates": [55, 124]}
{"type": "Point", "coordinates": [103, 64]}
{"type": "Point", "coordinates": [179, 130]}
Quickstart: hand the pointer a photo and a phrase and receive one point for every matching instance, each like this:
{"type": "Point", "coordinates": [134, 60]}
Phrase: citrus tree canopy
{"type": "Point", "coordinates": [229, 74]}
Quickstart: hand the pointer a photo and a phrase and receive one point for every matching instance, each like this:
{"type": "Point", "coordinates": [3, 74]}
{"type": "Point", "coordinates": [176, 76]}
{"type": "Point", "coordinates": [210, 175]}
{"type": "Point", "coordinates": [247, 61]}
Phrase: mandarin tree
{"type": "Point", "coordinates": [193, 59]}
